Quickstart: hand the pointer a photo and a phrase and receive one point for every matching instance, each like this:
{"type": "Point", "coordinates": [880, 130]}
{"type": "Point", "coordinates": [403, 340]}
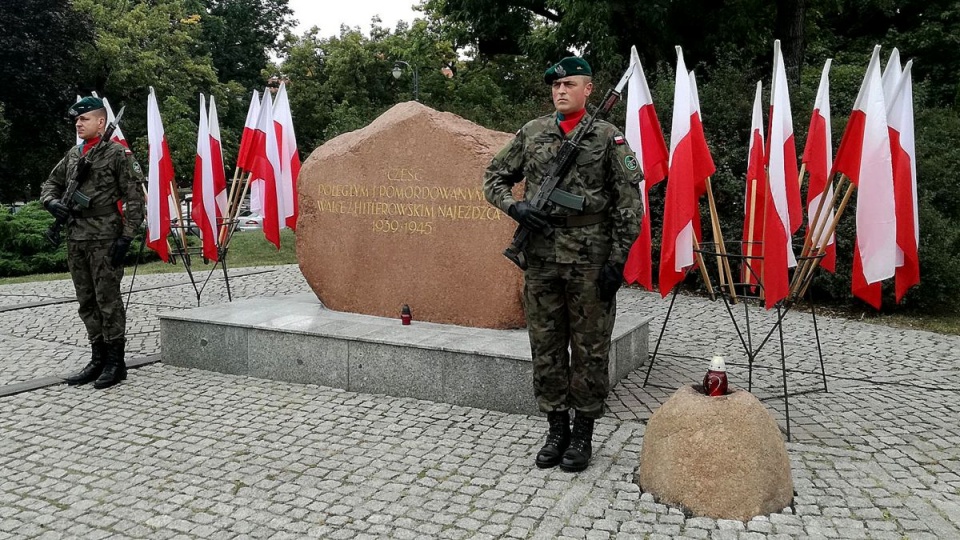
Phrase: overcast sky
{"type": "Point", "coordinates": [330, 14]}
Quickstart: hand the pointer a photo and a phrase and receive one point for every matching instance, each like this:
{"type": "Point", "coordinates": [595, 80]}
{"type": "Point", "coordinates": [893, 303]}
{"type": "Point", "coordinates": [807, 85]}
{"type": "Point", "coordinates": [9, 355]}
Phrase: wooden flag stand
{"type": "Point", "coordinates": [752, 298]}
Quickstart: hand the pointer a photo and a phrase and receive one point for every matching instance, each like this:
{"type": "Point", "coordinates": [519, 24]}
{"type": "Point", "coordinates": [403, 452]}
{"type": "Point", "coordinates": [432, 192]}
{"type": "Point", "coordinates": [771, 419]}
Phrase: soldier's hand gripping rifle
{"type": "Point", "coordinates": [72, 198]}
{"type": "Point", "coordinates": [557, 170]}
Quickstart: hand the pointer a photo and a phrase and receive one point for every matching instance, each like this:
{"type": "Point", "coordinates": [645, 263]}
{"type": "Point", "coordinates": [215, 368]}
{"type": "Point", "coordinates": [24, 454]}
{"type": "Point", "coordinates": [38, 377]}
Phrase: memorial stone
{"type": "Point", "coordinates": [393, 214]}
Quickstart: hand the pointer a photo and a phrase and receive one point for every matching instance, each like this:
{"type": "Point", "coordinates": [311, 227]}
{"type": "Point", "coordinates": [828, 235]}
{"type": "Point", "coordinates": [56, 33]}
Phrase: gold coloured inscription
{"type": "Point", "coordinates": [405, 205]}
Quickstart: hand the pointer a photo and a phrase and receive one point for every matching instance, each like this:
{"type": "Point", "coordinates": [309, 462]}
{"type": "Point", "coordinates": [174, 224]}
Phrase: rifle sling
{"type": "Point", "coordinates": [95, 212]}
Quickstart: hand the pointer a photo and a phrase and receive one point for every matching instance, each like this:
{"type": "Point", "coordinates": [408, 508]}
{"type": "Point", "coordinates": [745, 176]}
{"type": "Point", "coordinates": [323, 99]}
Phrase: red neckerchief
{"type": "Point", "coordinates": [568, 122]}
{"type": "Point", "coordinates": [87, 145]}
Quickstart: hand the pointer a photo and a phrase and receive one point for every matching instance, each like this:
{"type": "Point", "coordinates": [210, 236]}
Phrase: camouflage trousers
{"type": "Point", "coordinates": [570, 330]}
{"type": "Point", "coordinates": [98, 289]}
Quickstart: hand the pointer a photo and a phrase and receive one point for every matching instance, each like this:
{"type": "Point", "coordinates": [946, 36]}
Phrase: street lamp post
{"type": "Point", "coordinates": [398, 71]}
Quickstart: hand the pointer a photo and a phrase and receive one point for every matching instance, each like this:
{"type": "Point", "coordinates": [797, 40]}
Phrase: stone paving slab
{"type": "Point", "coordinates": [176, 453]}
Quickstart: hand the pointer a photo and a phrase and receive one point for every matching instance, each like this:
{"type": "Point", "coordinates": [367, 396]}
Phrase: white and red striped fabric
{"type": "Point", "coordinates": [159, 181]}
{"type": "Point", "coordinates": [204, 210]}
{"type": "Point", "coordinates": [818, 160]}
{"type": "Point", "coordinates": [117, 133]}
{"type": "Point", "coordinates": [289, 157]}
{"type": "Point", "coordinates": [904, 161]}
{"type": "Point", "coordinates": [781, 220]}
{"type": "Point", "coordinates": [245, 154]}
{"type": "Point", "coordinates": [702, 160]}
{"type": "Point", "coordinates": [864, 157]}
{"type": "Point", "coordinates": [216, 160]}
{"type": "Point", "coordinates": [266, 170]}
{"type": "Point", "coordinates": [680, 212]}
{"type": "Point", "coordinates": [645, 137]}
{"type": "Point", "coordinates": [754, 197]}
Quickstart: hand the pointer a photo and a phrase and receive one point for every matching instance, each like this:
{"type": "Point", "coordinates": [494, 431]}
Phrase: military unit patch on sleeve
{"type": "Point", "coordinates": [631, 163]}
{"type": "Point", "coordinates": [618, 139]}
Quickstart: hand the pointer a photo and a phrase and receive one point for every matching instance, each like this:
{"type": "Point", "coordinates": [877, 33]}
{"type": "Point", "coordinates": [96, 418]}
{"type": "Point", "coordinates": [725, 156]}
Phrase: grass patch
{"type": "Point", "coordinates": [246, 249]}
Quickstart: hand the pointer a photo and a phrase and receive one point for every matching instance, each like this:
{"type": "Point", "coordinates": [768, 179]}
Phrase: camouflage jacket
{"type": "Point", "coordinates": [606, 174]}
{"type": "Point", "coordinates": [114, 176]}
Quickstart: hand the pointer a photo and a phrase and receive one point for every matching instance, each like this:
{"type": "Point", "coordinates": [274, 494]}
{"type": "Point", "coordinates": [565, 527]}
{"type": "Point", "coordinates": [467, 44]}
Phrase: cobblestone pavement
{"type": "Point", "coordinates": [176, 453]}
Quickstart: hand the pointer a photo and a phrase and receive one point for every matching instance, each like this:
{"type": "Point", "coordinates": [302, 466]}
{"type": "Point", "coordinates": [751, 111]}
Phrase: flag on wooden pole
{"type": "Point", "coordinates": [864, 157]}
{"type": "Point", "coordinates": [289, 158]}
{"type": "Point", "coordinates": [781, 219]}
{"type": "Point", "coordinates": [818, 161]}
{"type": "Point", "coordinates": [267, 172]}
{"type": "Point", "coordinates": [204, 210]}
{"type": "Point", "coordinates": [754, 197]}
{"type": "Point", "coordinates": [680, 212]}
{"type": "Point", "coordinates": [904, 161]}
{"type": "Point", "coordinates": [645, 137]}
{"type": "Point", "coordinates": [159, 179]}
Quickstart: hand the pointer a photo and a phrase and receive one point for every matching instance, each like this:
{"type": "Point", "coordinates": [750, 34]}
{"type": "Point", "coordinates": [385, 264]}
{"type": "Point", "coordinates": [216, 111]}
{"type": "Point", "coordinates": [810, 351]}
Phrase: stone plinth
{"type": "Point", "coordinates": [720, 457]}
{"type": "Point", "coordinates": [394, 214]}
{"type": "Point", "coordinates": [295, 339]}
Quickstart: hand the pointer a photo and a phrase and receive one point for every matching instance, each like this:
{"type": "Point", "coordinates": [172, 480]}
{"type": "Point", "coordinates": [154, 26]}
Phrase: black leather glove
{"type": "Point", "coordinates": [609, 280]}
{"type": "Point", "coordinates": [57, 208]}
{"type": "Point", "coordinates": [525, 214]}
{"type": "Point", "coordinates": [118, 251]}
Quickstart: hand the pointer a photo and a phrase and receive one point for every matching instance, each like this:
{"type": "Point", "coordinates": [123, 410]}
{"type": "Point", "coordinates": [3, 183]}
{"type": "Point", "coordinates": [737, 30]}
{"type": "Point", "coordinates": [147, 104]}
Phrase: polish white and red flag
{"type": "Point", "coordinates": [245, 153]}
{"type": "Point", "coordinates": [904, 161]}
{"type": "Point", "coordinates": [645, 137]}
{"type": "Point", "coordinates": [289, 157]}
{"type": "Point", "coordinates": [118, 132]}
{"type": "Point", "coordinates": [216, 159]}
{"type": "Point", "coordinates": [159, 181]}
{"type": "Point", "coordinates": [204, 210]}
{"type": "Point", "coordinates": [680, 212]}
{"type": "Point", "coordinates": [266, 170]}
{"type": "Point", "coordinates": [703, 165]}
{"type": "Point", "coordinates": [754, 197]}
{"type": "Point", "coordinates": [818, 160]}
{"type": "Point", "coordinates": [864, 157]}
{"type": "Point", "coordinates": [782, 213]}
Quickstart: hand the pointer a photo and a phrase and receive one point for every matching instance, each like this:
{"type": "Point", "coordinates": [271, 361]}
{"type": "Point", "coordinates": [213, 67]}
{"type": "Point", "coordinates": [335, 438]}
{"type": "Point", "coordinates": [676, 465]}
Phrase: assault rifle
{"type": "Point", "coordinates": [72, 198]}
{"type": "Point", "coordinates": [559, 168]}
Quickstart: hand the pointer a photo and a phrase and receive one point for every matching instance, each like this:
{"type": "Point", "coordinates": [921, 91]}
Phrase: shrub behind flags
{"type": "Point", "coordinates": [645, 137]}
{"type": "Point", "coordinates": [904, 161]}
{"type": "Point", "coordinates": [266, 170]}
{"type": "Point", "coordinates": [680, 210]}
{"type": "Point", "coordinates": [864, 157]}
{"type": "Point", "coordinates": [818, 160]}
{"type": "Point", "coordinates": [159, 178]}
{"type": "Point", "coordinates": [289, 157]}
{"type": "Point", "coordinates": [204, 209]}
{"type": "Point", "coordinates": [755, 196]}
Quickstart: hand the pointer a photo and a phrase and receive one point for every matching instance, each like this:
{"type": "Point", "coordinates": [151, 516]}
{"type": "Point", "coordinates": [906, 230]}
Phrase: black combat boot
{"type": "Point", "coordinates": [93, 369]}
{"type": "Point", "coordinates": [577, 456]}
{"type": "Point", "coordinates": [114, 369]}
{"type": "Point", "coordinates": [558, 437]}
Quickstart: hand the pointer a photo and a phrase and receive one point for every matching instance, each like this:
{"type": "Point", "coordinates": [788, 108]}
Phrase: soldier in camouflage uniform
{"type": "Point", "coordinates": [98, 237]}
{"type": "Point", "coordinates": [574, 272]}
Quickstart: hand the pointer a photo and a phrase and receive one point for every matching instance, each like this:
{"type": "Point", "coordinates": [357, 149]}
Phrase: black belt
{"type": "Point", "coordinates": [95, 212]}
{"type": "Point", "coordinates": [581, 220]}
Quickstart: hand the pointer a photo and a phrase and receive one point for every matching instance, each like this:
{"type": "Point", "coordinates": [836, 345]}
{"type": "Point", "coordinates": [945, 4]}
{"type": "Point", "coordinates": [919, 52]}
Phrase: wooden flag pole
{"type": "Point", "coordinates": [723, 266]}
{"type": "Point", "coordinates": [230, 205]}
{"type": "Point", "coordinates": [815, 261]}
{"type": "Point", "coordinates": [236, 216]}
{"type": "Point", "coordinates": [703, 268]}
{"type": "Point", "coordinates": [175, 192]}
{"type": "Point", "coordinates": [811, 243]}
{"type": "Point", "coordinates": [751, 221]}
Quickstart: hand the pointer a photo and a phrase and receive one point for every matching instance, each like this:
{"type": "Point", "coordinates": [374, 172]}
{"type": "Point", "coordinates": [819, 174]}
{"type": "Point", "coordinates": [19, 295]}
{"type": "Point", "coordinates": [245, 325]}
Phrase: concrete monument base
{"type": "Point", "coordinates": [296, 339]}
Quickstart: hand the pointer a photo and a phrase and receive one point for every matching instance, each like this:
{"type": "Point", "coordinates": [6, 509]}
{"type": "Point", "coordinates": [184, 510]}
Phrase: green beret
{"type": "Point", "coordinates": [571, 65]}
{"type": "Point", "coordinates": [84, 106]}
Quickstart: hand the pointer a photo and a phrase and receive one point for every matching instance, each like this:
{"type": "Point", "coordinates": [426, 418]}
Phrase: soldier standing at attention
{"type": "Point", "coordinates": [98, 237]}
{"type": "Point", "coordinates": [575, 258]}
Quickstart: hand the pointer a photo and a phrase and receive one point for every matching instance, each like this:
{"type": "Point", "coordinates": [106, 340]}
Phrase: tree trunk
{"type": "Point", "coordinates": [789, 30]}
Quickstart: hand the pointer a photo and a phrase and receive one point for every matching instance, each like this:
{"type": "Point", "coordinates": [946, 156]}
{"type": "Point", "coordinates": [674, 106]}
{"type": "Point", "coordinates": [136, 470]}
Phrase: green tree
{"type": "Point", "coordinates": [39, 61]}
